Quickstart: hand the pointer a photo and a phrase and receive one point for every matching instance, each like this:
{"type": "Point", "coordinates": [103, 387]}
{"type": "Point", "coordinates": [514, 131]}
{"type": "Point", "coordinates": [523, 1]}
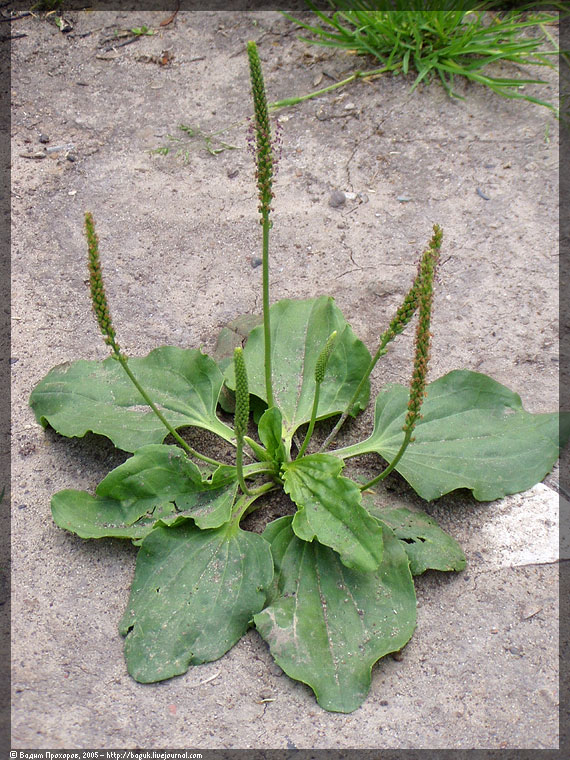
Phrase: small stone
{"type": "Point", "coordinates": [350, 196]}
{"type": "Point", "coordinates": [337, 199]}
{"type": "Point", "coordinates": [232, 173]}
{"type": "Point", "coordinates": [71, 157]}
{"type": "Point", "coordinates": [256, 262]}
{"type": "Point", "coordinates": [43, 138]}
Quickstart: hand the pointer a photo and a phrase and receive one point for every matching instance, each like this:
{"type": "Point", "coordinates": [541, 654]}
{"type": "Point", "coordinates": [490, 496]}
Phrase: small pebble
{"type": "Point", "coordinates": [232, 173]}
{"type": "Point", "coordinates": [256, 261]}
{"type": "Point", "coordinates": [350, 196]}
{"type": "Point", "coordinates": [403, 199]}
{"type": "Point", "coordinates": [43, 138]}
{"type": "Point", "coordinates": [337, 199]}
{"type": "Point", "coordinates": [71, 157]}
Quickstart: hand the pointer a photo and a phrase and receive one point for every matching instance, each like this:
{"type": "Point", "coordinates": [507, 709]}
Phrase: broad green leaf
{"type": "Point", "coordinates": [90, 517]}
{"type": "Point", "coordinates": [193, 596]}
{"type": "Point", "coordinates": [83, 396]}
{"type": "Point", "coordinates": [299, 331]}
{"type": "Point", "coordinates": [270, 431]}
{"type": "Point", "coordinates": [428, 546]}
{"type": "Point", "coordinates": [157, 483]}
{"type": "Point", "coordinates": [329, 509]}
{"type": "Point", "coordinates": [327, 625]}
{"type": "Point", "coordinates": [474, 434]}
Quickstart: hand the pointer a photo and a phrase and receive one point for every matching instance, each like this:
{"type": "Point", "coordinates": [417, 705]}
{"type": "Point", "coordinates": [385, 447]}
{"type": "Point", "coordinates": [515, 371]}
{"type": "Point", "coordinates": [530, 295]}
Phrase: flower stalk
{"type": "Point", "coordinates": [320, 370]}
{"type": "Point", "coordinates": [264, 176]}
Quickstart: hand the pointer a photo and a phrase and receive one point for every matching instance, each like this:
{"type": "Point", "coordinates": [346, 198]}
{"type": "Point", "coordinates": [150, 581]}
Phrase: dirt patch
{"type": "Point", "coordinates": [179, 241]}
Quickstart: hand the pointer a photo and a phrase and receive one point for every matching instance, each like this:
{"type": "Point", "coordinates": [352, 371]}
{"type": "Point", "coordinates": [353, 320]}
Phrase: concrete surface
{"type": "Point", "coordinates": [177, 242]}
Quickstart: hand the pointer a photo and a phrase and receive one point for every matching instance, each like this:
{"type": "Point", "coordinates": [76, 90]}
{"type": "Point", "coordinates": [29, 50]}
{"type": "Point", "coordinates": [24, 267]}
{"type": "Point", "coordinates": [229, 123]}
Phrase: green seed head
{"type": "Point", "coordinates": [263, 150]}
{"type": "Point", "coordinates": [425, 282]}
{"type": "Point", "coordinates": [323, 360]}
{"type": "Point", "coordinates": [242, 395]}
{"type": "Point", "coordinates": [98, 297]}
{"type": "Point", "coordinates": [412, 300]}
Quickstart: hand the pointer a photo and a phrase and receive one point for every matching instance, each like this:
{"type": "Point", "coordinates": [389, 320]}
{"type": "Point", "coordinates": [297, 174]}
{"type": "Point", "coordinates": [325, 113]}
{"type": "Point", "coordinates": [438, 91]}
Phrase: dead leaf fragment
{"type": "Point", "coordinates": [530, 611]}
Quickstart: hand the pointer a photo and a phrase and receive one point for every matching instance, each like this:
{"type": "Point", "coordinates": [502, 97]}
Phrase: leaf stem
{"type": "Point", "coordinates": [244, 503]}
{"type": "Point", "coordinates": [258, 468]}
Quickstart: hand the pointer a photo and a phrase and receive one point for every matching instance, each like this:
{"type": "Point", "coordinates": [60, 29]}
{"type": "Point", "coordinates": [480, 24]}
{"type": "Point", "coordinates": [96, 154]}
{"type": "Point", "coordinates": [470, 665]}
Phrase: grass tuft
{"type": "Point", "coordinates": [441, 44]}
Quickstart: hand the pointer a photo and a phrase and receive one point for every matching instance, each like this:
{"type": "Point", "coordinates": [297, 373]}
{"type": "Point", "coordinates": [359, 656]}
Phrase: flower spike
{"type": "Point", "coordinates": [264, 152]}
{"type": "Point", "coordinates": [97, 287]}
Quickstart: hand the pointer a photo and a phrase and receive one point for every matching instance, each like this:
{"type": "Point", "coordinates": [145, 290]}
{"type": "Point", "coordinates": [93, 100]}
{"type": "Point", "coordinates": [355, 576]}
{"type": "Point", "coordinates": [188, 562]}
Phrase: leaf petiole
{"type": "Point", "coordinates": [244, 505]}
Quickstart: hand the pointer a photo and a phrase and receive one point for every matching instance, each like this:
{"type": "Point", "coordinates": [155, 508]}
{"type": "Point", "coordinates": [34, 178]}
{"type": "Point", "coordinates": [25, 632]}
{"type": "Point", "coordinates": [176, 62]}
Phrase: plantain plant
{"type": "Point", "coordinates": [330, 587]}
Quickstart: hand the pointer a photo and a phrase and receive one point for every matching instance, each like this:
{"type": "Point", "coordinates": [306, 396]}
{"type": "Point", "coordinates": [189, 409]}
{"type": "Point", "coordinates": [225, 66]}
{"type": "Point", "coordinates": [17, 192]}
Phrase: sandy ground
{"type": "Point", "coordinates": [178, 240]}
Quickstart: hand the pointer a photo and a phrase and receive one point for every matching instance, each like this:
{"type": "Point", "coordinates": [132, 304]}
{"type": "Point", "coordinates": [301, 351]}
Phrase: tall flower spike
{"type": "Point", "coordinates": [423, 335]}
{"type": "Point", "coordinates": [98, 297]}
{"type": "Point", "coordinates": [264, 175]}
{"type": "Point", "coordinates": [101, 309]}
{"type": "Point", "coordinates": [397, 325]}
{"type": "Point", "coordinates": [264, 153]}
{"type": "Point", "coordinates": [424, 281]}
{"type": "Point", "coordinates": [411, 302]}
